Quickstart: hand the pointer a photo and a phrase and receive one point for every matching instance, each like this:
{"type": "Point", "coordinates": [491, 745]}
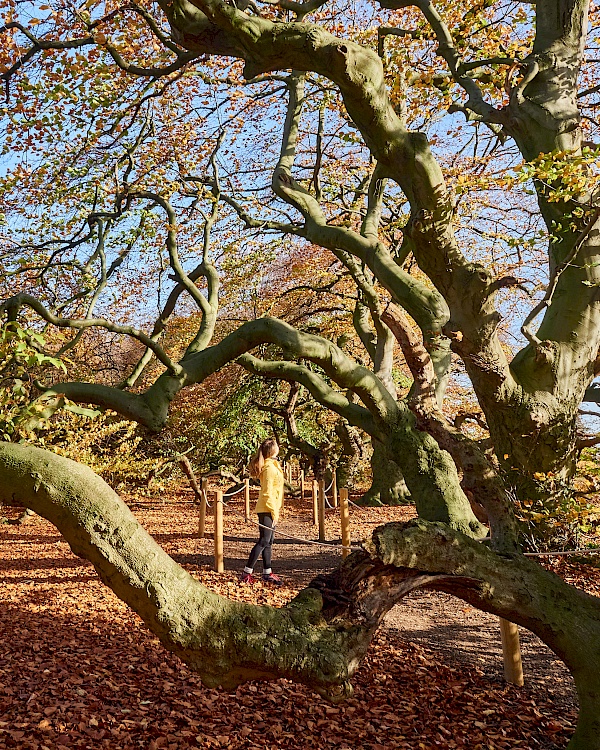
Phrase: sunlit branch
{"type": "Point", "coordinates": [474, 64]}
{"type": "Point", "coordinates": [322, 289]}
{"type": "Point", "coordinates": [99, 252]}
{"type": "Point", "coordinates": [38, 46]}
{"type": "Point", "coordinates": [207, 326]}
{"type": "Point", "coordinates": [250, 222]}
{"type": "Point", "coordinates": [335, 363]}
{"type": "Point", "coordinates": [308, 314]}
{"type": "Point", "coordinates": [416, 356]}
{"type": "Point", "coordinates": [447, 50]}
{"type": "Point", "coordinates": [301, 9]}
{"type": "Point", "coordinates": [316, 385]}
{"type": "Point", "coordinates": [171, 243]}
{"type": "Point", "coordinates": [385, 31]}
{"type": "Point", "coordinates": [14, 304]}
{"type": "Point", "coordinates": [425, 305]}
{"type": "Point", "coordinates": [360, 320]}
{"type": "Point", "coordinates": [381, 345]}
{"type": "Point", "coordinates": [135, 108]}
{"type": "Point", "coordinates": [319, 153]}
{"type": "Point", "coordinates": [161, 324]}
{"type": "Point", "coordinates": [150, 21]}
{"type": "Point", "coordinates": [183, 58]}
{"type": "Point", "coordinates": [288, 414]}
{"type": "Point", "coordinates": [60, 246]}
{"type": "Point", "coordinates": [479, 476]}
{"type": "Point", "coordinates": [372, 220]}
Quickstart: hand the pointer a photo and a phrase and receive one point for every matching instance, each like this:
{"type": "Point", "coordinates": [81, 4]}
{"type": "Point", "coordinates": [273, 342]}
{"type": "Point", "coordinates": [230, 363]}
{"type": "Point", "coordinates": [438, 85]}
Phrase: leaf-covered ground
{"type": "Point", "coordinates": [79, 670]}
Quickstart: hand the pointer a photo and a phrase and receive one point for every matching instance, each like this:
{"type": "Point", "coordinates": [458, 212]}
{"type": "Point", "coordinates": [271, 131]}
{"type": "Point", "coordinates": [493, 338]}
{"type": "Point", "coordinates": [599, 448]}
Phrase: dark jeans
{"type": "Point", "coordinates": [264, 545]}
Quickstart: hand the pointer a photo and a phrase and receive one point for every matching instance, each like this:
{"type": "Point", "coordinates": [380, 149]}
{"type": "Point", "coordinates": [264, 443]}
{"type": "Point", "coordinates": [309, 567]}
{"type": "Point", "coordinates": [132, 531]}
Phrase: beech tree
{"type": "Point", "coordinates": [120, 89]}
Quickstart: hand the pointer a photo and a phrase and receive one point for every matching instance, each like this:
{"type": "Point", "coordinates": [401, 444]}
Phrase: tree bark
{"type": "Point", "coordinates": [388, 486]}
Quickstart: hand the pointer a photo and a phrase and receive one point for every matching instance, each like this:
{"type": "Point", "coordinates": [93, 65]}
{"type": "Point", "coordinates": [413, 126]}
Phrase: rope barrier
{"type": "Point", "coordinates": [306, 541]}
{"type": "Point", "coordinates": [228, 494]}
{"type": "Point", "coordinates": [296, 538]}
{"type": "Point", "coordinates": [568, 552]}
{"type": "Point", "coordinates": [325, 491]}
{"type": "Point", "coordinates": [357, 546]}
{"type": "Point", "coordinates": [231, 494]}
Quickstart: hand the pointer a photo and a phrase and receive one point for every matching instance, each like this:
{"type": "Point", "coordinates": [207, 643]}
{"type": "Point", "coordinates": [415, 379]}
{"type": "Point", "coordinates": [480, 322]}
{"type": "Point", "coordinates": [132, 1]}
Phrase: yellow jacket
{"type": "Point", "coordinates": [270, 497]}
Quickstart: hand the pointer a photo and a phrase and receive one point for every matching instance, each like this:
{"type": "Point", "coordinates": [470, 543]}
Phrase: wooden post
{"type": "Point", "coordinates": [289, 473]}
{"type": "Point", "coordinates": [334, 490]}
{"type": "Point", "coordinates": [321, 510]}
{"type": "Point", "coordinates": [315, 503]}
{"type": "Point", "coordinates": [247, 499]}
{"type": "Point", "coordinates": [345, 521]}
{"type": "Point", "coordinates": [202, 516]}
{"type": "Point", "coordinates": [302, 484]}
{"type": "Point", "coordinates": [219, 565]}
{"type": "Point", "coordinates": [511, 650]}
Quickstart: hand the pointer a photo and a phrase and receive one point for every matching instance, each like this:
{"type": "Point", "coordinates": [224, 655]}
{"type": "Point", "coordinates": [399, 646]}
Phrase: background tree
{"type": "Point", "coordinates": [362, 183]}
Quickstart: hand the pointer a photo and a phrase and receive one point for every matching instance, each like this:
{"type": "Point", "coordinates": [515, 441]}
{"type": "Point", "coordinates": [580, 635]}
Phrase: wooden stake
{"type": "Point", "coordinates": [321, 510]}
{"type": "Point", "coordinates": [511, 650]}
{"type": "Point", "coordinates": [247, 499]}
{"type": "Point", "coordinates": [202, 516]}
{"type": "Point", "coordinates": [315, 503]}
{"type": "Point", "coordinates": [302, 484]}
{"type": "Point", "coordinates": [345, 521]}
{"type": "Point", "coordinates": [219, 564]}
{"type": "Point", "coordinates": [334, 490]}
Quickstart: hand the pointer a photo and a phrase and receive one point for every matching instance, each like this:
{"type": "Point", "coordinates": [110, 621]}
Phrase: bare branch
{"type": "Point", "coordinates": [11, 307]}
{"type": "Point", "coordinates": [447, 50]}
{"type": "Point", "coordinates": [317, 387]}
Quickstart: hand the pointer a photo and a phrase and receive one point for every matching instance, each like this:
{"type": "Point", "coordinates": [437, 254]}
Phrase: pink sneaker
{"type": "Point", "coordinates": [272, 578]}
{"type": "Point", "coordinates": [247, 578]}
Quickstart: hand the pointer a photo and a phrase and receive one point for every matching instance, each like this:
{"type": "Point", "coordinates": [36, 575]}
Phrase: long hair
{"type": "Point", "coordinates": [267, 449]}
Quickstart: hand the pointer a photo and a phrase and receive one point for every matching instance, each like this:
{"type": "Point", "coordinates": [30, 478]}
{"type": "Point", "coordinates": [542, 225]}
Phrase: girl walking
{"type": "Point", "coordinates": [264, 467]}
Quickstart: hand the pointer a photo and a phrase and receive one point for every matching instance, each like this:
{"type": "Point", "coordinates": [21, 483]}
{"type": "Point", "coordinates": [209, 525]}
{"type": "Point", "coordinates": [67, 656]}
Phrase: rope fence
{"type": "Point", "coordinates": [236, 492]}
{"type": "Point", "coordinates": [331, 545]}
{"type": "Point", "coordinates": [567, 552]}
{"type": "Point", "coordinates": [319, 503]}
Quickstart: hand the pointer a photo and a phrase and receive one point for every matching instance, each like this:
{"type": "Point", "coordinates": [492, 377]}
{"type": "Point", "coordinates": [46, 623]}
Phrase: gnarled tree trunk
{"type": "Point", "coordinates": [388, 486]}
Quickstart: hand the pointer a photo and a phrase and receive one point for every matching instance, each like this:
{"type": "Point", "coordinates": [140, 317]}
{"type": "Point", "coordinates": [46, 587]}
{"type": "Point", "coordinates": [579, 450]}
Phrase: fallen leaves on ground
{"type": "Point", "coordinates": [78, 669]}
